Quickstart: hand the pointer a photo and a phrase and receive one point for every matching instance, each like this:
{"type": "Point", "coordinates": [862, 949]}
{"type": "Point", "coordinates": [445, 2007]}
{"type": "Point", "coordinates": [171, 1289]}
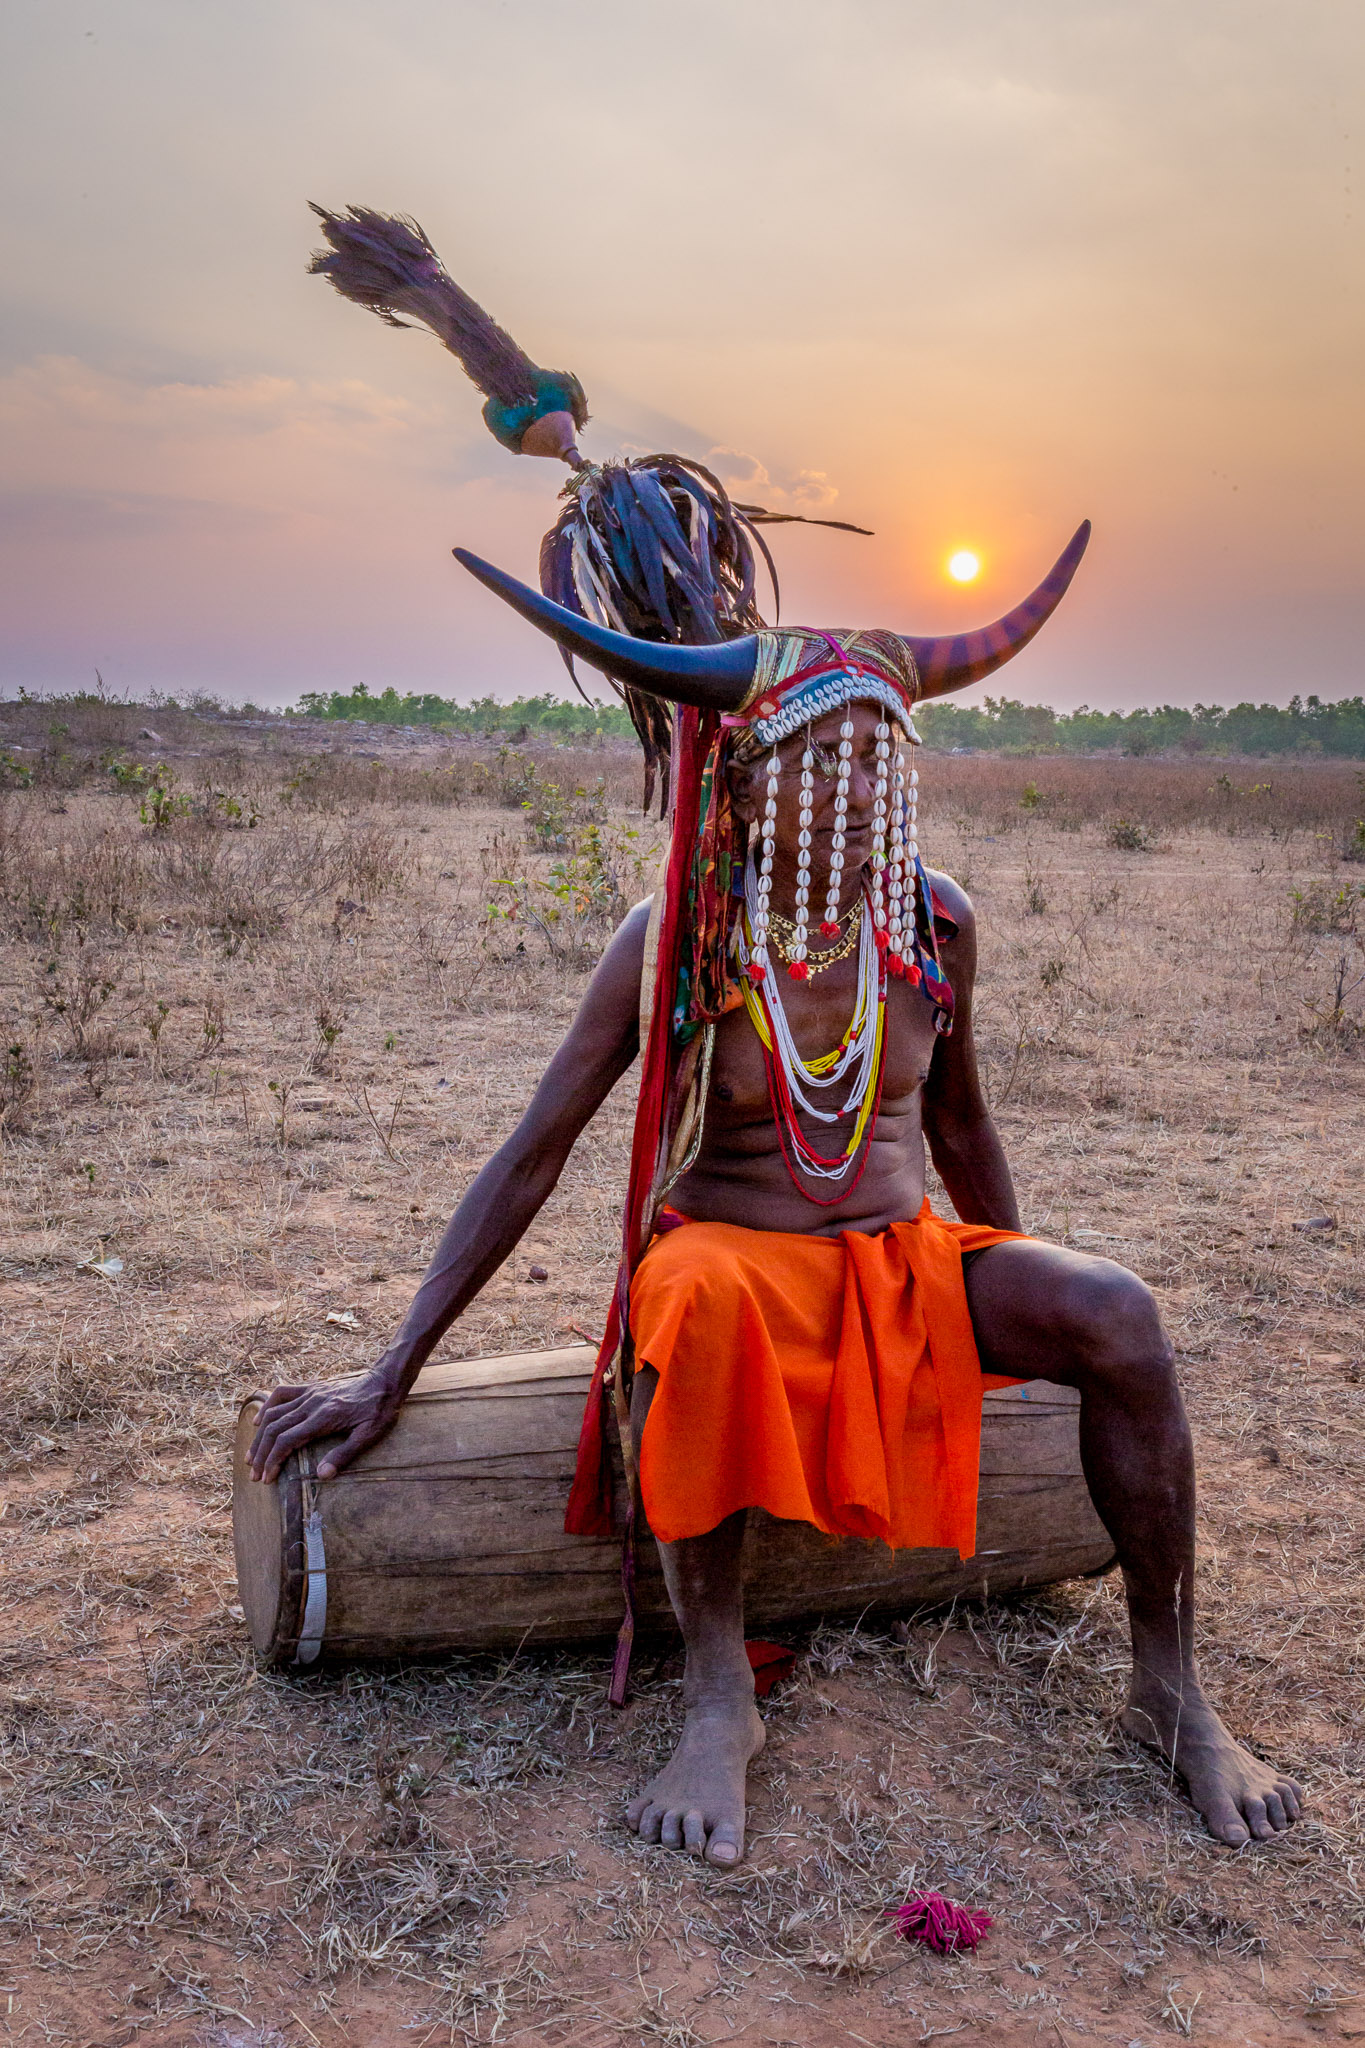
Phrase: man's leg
{"type": "Point", "coordinates": [697, 1800]}
{"type": "Point", "coordinates": [1087, 1323]}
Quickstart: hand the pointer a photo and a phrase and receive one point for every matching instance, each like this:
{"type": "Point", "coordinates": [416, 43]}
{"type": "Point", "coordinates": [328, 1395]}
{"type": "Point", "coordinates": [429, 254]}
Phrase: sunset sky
{"type": "Point", "coordinates": [962, 273]}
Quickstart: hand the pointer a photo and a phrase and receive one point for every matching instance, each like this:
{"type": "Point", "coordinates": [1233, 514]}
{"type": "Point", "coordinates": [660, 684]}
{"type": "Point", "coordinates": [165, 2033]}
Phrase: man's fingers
{"type": "Point", "coordinates": [264, 1464]}
{"type": "Point", "coordinates": [289, 1440]}
{"type": "Point", "coordinates": [273, 1410]}
{"type": "Point", "coordinates": [360, 1438]}
{"type": "Point", "coordinates": [278, 1408]}
{"type": "Point", "coordinates": [294, 1415]}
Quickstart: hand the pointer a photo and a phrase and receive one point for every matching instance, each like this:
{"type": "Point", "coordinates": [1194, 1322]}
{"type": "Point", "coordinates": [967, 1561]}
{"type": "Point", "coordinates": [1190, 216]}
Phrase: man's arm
{"type": "Point", "coordinates": [963, 1141]}
{"type": "Point", "coordinates": [490, 1221]}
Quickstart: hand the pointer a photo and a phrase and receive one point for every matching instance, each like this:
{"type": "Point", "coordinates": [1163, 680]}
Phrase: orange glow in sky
{"type": "Point", "coordinates": [964, 294]}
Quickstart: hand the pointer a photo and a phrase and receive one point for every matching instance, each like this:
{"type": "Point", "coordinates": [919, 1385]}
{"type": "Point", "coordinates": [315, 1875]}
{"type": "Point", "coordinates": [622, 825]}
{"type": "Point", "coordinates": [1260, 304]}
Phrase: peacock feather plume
{"type": "Point", "coordinates": [387, 264]}
{"type": "Point", "coordinates": [653, 546]}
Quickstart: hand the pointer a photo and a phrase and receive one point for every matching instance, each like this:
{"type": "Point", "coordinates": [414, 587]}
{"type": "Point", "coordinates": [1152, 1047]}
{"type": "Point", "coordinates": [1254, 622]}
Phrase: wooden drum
{"type": "Point", "coordinates": [448, 1535]}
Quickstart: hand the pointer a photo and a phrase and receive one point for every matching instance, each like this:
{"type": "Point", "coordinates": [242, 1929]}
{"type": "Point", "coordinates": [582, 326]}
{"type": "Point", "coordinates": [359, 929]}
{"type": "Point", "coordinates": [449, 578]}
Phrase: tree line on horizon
{"type": "Point", "coordinates": [999, 725]}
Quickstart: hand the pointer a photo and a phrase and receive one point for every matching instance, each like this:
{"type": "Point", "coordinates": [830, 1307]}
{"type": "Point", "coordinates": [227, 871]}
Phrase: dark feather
{"type": "Point", "coordinates": [758, 517]}
{"type": "Point", "coordinates": [697, 619]}
{"type": "Point", "coordinates": [772, 567]}
{"type": "Point", "coordinates": [386, 263]}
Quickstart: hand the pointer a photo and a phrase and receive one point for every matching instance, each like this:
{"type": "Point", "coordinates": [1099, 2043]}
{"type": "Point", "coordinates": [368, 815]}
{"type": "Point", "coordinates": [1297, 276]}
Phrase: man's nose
{"type": "Point", "coordinates": [862, 787]}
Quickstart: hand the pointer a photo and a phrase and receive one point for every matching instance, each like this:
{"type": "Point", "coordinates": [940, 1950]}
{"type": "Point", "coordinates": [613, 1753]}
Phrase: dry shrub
{"type": "Point", "coordinates": [1322, 907]}
{"type": "Point", "coordinates": [81, 727]}
{"type": "Point", "coordinates": [999, 793]}
{"type": "Point", "coordinates": [89, 867]}
{"type": "Point", "coordinates": [198, 1835]}
{"type": "Point", "coordinates": [1334, 1000]}
{"type": "Point", "coordinates": [18, 1079]}
{"type": "Point", "coordinates": [457, 773]}
{"type": "Point", "coordinates": [341, 782]}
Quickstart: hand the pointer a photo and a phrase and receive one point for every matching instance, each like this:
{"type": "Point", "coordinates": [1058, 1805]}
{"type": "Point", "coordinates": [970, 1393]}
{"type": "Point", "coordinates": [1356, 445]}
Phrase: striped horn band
{"type": "Point", "coordinates": [950, 662]}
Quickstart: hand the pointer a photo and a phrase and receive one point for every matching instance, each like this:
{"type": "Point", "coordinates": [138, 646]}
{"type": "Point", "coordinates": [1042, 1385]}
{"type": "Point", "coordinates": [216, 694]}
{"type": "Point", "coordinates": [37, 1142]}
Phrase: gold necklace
{"type": "Point", "coordinates": [783, 932]}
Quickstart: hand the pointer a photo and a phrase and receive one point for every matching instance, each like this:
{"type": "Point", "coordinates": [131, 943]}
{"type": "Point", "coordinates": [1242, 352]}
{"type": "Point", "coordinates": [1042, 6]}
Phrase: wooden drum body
{"type": "Point", "coordinates": [448, 1534]}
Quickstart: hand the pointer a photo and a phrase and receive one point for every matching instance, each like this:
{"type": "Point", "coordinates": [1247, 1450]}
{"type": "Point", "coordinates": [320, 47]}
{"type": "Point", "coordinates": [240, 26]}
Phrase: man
{"type": "Point", "coordinates": [806, 1336]}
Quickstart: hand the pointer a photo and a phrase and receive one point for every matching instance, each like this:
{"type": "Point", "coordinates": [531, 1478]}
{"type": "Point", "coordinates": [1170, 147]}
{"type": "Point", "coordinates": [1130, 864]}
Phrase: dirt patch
{"type": "Point", "coordinates": [196, 1852]}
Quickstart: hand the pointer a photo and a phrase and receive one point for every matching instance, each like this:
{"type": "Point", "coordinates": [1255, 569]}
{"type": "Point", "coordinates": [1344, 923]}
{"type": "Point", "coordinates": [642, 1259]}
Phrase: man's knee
{"type": "Point", "coordinates": [1112, 1320]}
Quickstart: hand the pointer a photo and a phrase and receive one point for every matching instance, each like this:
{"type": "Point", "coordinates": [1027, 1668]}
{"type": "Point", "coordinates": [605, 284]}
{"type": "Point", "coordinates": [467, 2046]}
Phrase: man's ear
{"type": "Point", "coordinates": [740, 777]}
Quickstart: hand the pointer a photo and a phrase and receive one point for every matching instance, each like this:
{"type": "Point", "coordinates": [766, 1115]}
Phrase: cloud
{"type": "Point", "coordinates": [268, 533]}
{"type": "Point", "coordinates": [75, 517]}
{"type": "Point", "coordinates": [807, 491]}
{"type": "Point", "coordinates": [79, 431]}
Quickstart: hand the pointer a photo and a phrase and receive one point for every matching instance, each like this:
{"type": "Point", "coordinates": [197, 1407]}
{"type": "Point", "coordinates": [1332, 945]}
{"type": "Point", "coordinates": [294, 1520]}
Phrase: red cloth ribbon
{"type": "Point", "coordinates": [770, 1664]}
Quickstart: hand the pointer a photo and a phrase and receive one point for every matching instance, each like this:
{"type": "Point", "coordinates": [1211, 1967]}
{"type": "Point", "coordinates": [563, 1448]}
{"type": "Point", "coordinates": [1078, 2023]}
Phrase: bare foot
{"type": "Point", "coordinates": [697, 1800]}
{"type": "Point", "coordinates": [1238, 1796]}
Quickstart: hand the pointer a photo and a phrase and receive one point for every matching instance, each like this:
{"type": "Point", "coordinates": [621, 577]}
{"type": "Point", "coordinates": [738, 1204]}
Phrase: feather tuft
{"type": "Point", "coordinates": [386, 263]}
{"type": "Point", "coordinates": [654, 547]}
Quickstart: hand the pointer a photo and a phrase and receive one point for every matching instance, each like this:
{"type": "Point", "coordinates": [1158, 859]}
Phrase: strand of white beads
{"type": "Point", "coordinates": [797, 967]}
{"type": "Point", "coordinates": [878, 860]}
{"type": "Point", "coordinates": [912, 848]}
{"type": "Point", "coordinates": [764, 886]}
{"type": "Point", "coordinates": [895, 889]}
{"type": "Point", "coordinates": [830, 928]}
{"type": "Point", "coordinates": [857, 1050]}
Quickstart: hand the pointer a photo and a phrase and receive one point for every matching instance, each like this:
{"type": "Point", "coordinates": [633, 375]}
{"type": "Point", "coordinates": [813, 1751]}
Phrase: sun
{"type": "Point", "coordinates": [964, 566]}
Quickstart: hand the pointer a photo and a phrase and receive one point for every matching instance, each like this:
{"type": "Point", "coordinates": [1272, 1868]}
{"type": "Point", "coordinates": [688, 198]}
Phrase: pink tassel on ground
{"type": "Point", "coordinates": [938, 1923]}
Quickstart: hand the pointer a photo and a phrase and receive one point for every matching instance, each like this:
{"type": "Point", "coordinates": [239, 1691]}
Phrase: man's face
{"type": "Point", "coordinates": [750, 789]}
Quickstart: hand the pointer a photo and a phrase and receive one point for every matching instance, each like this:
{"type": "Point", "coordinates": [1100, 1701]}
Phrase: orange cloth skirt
{"type": "Point", "coordinates": [832, 1380]}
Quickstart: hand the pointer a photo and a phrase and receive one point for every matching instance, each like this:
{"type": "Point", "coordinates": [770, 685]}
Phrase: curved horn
{"type": "Point", "coordinates": [954, 660]}
{"type": "Point", "coordinates": [717, 678]}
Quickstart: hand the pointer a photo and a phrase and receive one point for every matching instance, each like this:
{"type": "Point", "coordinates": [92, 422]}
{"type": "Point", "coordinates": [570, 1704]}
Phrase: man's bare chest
{"type": "Point", "coordinates": [819, 1013]}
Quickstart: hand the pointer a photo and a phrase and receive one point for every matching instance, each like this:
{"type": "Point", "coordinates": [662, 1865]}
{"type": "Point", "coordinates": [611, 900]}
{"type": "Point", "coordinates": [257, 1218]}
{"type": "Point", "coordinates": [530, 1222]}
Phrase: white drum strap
{"type": "Point", "coordinates": [314, 1624]}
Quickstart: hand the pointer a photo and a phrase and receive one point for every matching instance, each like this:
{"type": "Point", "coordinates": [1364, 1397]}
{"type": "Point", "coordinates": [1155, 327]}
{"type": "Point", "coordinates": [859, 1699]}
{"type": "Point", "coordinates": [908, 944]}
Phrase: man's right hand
{"type": "Point", "coordinates": [358, 1411]}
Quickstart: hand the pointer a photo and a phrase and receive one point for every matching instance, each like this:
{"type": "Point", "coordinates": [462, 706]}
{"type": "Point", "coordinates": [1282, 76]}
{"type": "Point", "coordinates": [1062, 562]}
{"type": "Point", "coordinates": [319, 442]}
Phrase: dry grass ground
{"type": "Point", "coordinates": [257, 1065]}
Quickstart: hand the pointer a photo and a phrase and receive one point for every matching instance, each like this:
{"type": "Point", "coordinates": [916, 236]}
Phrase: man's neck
{"type": "Point", "coordinates": [783, 898]}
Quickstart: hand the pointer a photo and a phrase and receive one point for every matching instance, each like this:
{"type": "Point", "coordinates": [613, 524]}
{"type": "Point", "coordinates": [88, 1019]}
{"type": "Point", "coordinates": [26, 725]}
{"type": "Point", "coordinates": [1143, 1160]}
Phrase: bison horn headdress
{"type": "Point", "coordinates": [650, 576]}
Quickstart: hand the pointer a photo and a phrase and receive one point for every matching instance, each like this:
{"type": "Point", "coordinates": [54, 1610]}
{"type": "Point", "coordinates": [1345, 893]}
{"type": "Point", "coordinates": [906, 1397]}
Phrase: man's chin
{"type": "Point", "coordinates": [857, 845]}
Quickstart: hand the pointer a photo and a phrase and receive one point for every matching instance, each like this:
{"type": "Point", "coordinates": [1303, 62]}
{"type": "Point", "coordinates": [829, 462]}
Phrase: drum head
{"type": "Point", "coordinates": [267, 1536]}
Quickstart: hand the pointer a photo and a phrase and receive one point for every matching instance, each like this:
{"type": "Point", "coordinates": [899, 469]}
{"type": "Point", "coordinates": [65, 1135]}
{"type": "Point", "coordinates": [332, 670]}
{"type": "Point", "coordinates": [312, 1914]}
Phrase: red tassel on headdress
{"type": "Point", "coordinates": [756, 971]}
{"type": "Point", "coordinates": [799, 971]}
{"type": "Point", "coordinates": [829, 929]}
{"type": "Point", "coordinates": [939, 1924]}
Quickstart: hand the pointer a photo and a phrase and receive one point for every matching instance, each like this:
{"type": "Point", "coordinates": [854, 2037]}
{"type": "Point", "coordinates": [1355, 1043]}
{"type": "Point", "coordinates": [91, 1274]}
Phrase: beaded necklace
{"type": "Point", "coordinates": [784, 939]}
{"type": "Point", "coordinates": [791, 1079]}
{"type": "Point", "coordinates": [893, 863]}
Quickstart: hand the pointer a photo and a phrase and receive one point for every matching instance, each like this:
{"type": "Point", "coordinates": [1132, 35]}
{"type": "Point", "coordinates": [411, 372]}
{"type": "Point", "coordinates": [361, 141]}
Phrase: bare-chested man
{"type": "Point", "coordinates": [747, 1203]}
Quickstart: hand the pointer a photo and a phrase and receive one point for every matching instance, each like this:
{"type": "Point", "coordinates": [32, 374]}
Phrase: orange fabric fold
{"type": "Point", "coordinates": [832, 1380]}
